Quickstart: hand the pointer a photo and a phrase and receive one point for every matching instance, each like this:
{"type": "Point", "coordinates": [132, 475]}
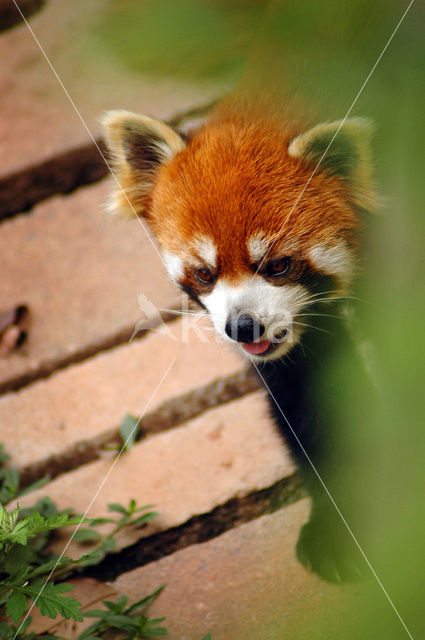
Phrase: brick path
{"type": "Point", "coordinates": [209, 459]}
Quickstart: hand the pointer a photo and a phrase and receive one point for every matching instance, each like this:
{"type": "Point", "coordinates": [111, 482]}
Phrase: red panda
{"type": "Point", "coordinates": [258, 219]}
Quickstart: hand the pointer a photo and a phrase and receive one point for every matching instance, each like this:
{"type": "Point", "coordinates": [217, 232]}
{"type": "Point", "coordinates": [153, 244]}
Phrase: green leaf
{"type": "Point", "coordinates": [32, 525]}
{"type": "Point", "coordinates": [153, 622]}
{"type": "Point", "coordinates": [120, 603]}
{"type": "Point", "coordinates": [129, 430]}
{"type": "Point", "coordinates": [18, 556]}
{"type": "Point", "coordinates": [20, 533]}
{"type": "Point", "coordinates": [145, 506]}
{"type": "Point", "coordinates": [46, 567]}
{"type": "Point", "coordinates": [87, 535]}
{"type": "Point", "coordinates": [62, 520]}
{"type": "Point", "coordinates": [4, 457]}
{"type": "Point", "coordinates": [49, 598]}
{"type": "Point", "coordinates": [116, 506]}
{"type": "Point", "coordinates": [18, 578]}
{"type": "Point", "coordinates": [90, 559]}
{"type": "Point", "coordinates": [95, 613]}
{"type": "Point", "coordinates": [153, 631]}
{"type": "Point", "coordinates": [95, 522]}
{"type": "Point", "coordinates": [118, 606]}
{"type": "Point", "coordinates": [35, 485]}
{"type": "Point", "coordinates": [44, 506]}
{"type": "Point", "coordinates": [108, 544]}
{"type": "Point", "coordinates": [16, 605]}
{"type": "Point", "coordinates": [90, 632]}
{"type": "Point", "coordinates": [10, 484]}
{"type": "Point", "coordinates": [6, 631]}
{"type": "Point", "coordinates": [207, 637]}
{"type": "Point", "coordinates": [143, 520]}
{"type": "Point", "coordinates": [24, 625]}
{"type": "Point", "coordinates": [4, 516]}
{"type": "Point", "coordinates": [121, 622]}
{"type": "Point", "coordinates": [141, 604]}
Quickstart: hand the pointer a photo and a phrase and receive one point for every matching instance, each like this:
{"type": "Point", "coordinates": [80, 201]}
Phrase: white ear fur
{"type": "Point", "coordinates": [138, 146]}
{"type": "Point", "coordinates": [343, 148]}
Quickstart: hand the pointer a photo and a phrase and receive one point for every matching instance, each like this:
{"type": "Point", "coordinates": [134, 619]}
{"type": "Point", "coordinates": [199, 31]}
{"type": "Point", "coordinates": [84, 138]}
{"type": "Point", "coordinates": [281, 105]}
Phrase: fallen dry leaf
{"type": "Point", "coordinates": [14, 325]}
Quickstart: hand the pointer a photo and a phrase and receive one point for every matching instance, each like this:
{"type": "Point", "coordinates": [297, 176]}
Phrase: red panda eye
{"type": "Point", "coordinates": [278, 267]}
{"type": "Point", "coordinates": [204, 276]}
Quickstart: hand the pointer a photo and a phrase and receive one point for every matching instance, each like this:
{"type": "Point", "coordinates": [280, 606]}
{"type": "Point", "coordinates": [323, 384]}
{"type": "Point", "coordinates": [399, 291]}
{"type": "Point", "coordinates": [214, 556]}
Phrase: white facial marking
{"type": "Point", "coordinates": [174, 265]}
{"type": "Point", "coordinates": [334, 260]}
{"type": "Point", "coordinates": [206, 250]}
{"type": "Point", "coordinates": [257, 247]}
{"type": "Point", "coordinates": [274, 307]}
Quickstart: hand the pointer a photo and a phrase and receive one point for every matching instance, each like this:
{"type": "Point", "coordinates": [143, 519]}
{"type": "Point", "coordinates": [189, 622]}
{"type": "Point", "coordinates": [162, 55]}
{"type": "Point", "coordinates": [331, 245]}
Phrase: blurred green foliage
{"type": "Point", "coordinates": [185, 38]}
{"type": "Point", "coordinates": [323, 52]}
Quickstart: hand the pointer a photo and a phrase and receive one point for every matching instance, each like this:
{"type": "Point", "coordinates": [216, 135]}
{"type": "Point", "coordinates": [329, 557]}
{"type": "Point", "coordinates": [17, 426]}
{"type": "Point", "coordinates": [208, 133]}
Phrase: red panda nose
{"type": "Point", "coordinates": [243, 328]}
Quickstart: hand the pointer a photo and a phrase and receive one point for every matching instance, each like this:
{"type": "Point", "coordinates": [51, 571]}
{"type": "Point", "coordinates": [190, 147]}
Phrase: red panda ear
{"type": "Point", "coordinates": [138, 146]}
{"type": "Point", "coordinates": [343, 149]}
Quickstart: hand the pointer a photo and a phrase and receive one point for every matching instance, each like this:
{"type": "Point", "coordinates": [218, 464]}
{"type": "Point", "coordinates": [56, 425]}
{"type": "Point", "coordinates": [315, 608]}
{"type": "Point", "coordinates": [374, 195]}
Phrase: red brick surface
{"type": "Point", "coordinates": [80, 275]}
{"type": "Point", "coordinates": [226, 452]}
{"type": "Point", "coordinates": [89, 398]}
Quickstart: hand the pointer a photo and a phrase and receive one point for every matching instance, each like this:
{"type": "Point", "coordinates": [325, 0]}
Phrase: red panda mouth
{"type": "Point", "coordinates": [256, 348]}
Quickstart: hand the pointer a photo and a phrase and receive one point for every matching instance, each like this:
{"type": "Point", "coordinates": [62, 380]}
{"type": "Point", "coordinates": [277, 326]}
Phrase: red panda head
{"type": "Point", "coordinates": [248, 224]}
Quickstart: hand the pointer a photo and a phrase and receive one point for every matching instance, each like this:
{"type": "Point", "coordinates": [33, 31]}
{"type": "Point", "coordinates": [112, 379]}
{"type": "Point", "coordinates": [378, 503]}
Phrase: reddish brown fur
{"type": "Point", "coordinates": [234, 179]}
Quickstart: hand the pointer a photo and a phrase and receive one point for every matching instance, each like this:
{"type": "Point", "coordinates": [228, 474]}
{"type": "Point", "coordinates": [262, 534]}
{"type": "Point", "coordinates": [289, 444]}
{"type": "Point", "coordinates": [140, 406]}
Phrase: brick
{"type": "Point", "coordinates": [79, 274]}
{"type": "Point", "coordinates": [226, 452]}
{"type": "Point", "coordinates": [246, 583]}
{"type": "Point", "coordinates": [91, 397]}
{"type": "Point", "coordinates": [37, 119]}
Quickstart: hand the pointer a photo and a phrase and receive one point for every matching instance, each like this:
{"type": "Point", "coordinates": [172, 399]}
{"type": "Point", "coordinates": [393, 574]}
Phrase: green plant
{"type": "Point", "coordinates": [22, 573]}
{"type": "Point", "coordinates": [129, 430]}
{"type": "Point", "coordinates": [117, 615]}
{"type": "Point", "coordinates": [131, 516]}
{"type": "Point", "coordinates": [25, 564]}
{"type": "Point", "coordinates": [29, 571]}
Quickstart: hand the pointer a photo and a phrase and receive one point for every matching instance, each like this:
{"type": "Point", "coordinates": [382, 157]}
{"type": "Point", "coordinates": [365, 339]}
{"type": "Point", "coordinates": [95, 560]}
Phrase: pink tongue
{"type": "Point", "coordinates": [256, 347]}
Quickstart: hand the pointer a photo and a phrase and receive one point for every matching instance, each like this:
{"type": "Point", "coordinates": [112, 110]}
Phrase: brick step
{"type": "Point", "coordinates": [245, 583]}
{"type": "Point", "coordinates": [80, 276]}
{"type": "Point", "coordinates": [57, 424]}
{"type": "Point", "coordinates": [227, 452]}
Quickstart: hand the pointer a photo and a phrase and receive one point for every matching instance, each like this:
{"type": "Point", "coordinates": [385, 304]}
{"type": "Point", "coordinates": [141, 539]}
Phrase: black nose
{"type": "Point", "coordinates": [243, 328]}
